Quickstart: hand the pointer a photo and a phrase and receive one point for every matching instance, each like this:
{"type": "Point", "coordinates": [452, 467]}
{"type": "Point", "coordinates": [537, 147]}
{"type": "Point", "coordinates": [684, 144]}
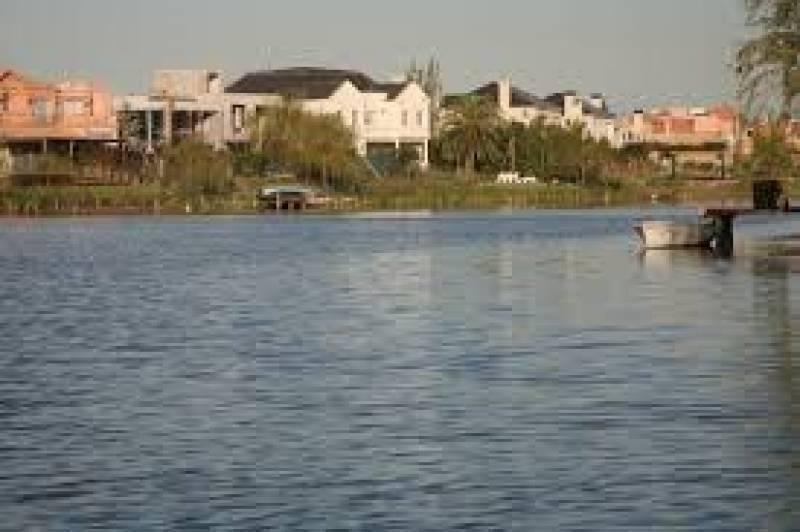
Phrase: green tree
{"type": "Point", "coordinates": [317, 148]}
{"type": "Point", "coordinates": [193, 169]}
{"type": "Point", "coordinates": [768, 65]}
{"type": "Point", "coordinates": [471, 132]}
{"type": "Point", "coordinates": [771, 156]}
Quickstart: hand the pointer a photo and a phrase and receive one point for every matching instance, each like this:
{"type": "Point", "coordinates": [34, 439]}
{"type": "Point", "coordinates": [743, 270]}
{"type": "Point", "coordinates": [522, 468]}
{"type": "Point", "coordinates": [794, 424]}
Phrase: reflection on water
{"type": "Point", "coordinates": [511, 371]}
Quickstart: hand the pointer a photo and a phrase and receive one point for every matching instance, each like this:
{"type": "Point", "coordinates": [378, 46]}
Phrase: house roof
{"type": "Point", "coordinates": [519, 97]}
{"type": "Point", "coordinates": [8, 74]}
{"type": "Point", "coordinates": [310, 83]}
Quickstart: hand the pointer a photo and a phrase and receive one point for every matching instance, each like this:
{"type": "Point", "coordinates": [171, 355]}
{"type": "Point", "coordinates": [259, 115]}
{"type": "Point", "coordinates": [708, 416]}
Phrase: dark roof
{"type": "Point", "coordinates": [598, 112]}
{"type": "Point", "coordinates": [519, 97]}
{"type": "Point", "coordinates": [393, 90]}
{"type": "Point", "coordinates": [309, 83]}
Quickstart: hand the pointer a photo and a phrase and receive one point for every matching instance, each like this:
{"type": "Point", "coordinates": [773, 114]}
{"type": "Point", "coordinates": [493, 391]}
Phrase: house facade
{"type": "Point", "coordinates": [563, 109]}
{"type": "Point", "coordinates": [695, 135]}
{"type": "Point", "coordinates": [517, 105]}
{"type": "Point", "coordinates": [38, 116]}
{"type": "Point", "coordinates": [382, 116]}
{"type": "Point", "coordinates": [187, 103]}
{"type": "Point", "coordinates": [590, 113]}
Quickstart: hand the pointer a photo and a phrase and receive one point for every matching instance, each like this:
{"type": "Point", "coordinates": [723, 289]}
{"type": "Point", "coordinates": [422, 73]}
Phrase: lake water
{"type": "Point", "coordinates": [523, 371]}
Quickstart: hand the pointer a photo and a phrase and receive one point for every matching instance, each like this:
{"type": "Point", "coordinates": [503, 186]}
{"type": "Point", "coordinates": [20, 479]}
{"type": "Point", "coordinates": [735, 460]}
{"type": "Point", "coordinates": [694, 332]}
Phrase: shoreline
{"type": "Point", "coordinates": [397, 197]}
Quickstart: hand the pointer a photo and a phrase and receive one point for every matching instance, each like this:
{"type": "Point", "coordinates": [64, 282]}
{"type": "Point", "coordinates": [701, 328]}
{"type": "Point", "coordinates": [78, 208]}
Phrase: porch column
{"type": "Point", "coordinates": [425, 148]}
{"type": "Point", "coordinates": [44, 146]}
{"type": "Point", "coordinates": [168, 124]}
{"type": "Point", "coordinates": [149, 121]}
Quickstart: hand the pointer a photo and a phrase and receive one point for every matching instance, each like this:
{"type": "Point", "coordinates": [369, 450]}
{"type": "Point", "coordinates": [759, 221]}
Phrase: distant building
{"type": "Point", "coordinates": [517, 105]}
{"type": "Point", "coordinates": [187, 103]}
{"type": "Point", "coordinates": [37, 116]}
{"type": "Point", "coordinates": [564, 109]}
{"type": "Point", "coordinates": [590, 113]}
{"type": "Point", "coordinates": [384, 117]}
{"type": "Point", "coordinates": [697, 135]}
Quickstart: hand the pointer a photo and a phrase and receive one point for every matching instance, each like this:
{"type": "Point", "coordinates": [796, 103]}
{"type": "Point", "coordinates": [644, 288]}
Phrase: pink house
{"type": "Point", "coordinates": [40, 116]}
{"type": "Point", "coordinates": [704, 136]}
{"type": "Point", "coordinates": [684, 127]}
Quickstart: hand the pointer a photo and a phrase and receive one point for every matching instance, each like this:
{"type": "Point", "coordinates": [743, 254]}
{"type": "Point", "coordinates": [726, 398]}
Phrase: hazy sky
{"type": "Point", "coordinates": [638, 52]}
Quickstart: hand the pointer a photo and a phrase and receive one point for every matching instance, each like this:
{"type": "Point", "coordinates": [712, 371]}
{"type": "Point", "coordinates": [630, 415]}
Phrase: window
{"type": "Point", "coordinates": [39, 108]}
{"type": "Point", "coordinates": [369, 117]}
{"type": "Point", "coordinates": [404, 118]}
{"type": "Point", "coordinates": [4, 102]}
{"type": "Point", "coordinates": [355, 118]}
{"type": "Point", "coordinates": [420, 118]}
{"type": "Point", "coordinates": [74, 107]}
{"type": "Point", "coordinates": [237, 118]}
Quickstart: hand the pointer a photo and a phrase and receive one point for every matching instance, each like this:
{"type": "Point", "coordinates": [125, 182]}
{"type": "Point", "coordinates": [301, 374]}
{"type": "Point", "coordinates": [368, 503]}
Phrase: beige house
{"type": "Point", "coordinates": [383, 116]}
{"type": "Point", "coordinates": [185, 103]}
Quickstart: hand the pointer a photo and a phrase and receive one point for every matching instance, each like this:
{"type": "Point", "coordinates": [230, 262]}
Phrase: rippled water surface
{"type": "Point", "coordinates": [454, 372]}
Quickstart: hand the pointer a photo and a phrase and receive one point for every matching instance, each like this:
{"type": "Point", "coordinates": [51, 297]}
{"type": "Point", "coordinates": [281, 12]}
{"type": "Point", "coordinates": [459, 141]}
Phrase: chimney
{"type": "Point", "coordinates": [504, 93]}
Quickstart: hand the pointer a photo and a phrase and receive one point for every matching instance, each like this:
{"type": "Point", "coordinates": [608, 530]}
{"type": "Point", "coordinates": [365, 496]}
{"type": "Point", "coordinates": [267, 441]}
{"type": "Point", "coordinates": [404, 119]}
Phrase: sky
{"type": "Point", "coordinates": [639, 53]}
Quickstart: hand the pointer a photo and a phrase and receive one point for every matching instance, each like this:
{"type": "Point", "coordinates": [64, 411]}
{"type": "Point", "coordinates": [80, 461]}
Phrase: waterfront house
{"type": "Point", "coordinates": [187, 103]}
{"type": "Point", "coordinates": [517, 105]}
{"type": "Point", "coordinates": [700, 136]}
{"type": "Point", "coordinates": [563, 109]}
{"type": "Point", "coordinates": [41, 117]}
{"type": "Point", "coordinates": [384, 117]}
{"type": "Point", "coordinates": [591, 114]}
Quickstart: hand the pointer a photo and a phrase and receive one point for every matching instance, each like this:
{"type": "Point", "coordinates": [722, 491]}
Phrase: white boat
{"type": "Point", "coordinates": [674, 234]}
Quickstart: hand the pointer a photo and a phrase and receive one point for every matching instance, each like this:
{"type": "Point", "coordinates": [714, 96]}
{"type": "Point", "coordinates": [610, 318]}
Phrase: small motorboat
{"type": "Point", "coordinates": [676, 234]}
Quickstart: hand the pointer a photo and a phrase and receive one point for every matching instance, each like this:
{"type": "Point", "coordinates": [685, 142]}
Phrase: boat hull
{"type": "Point", "coordinates": [669, 235]}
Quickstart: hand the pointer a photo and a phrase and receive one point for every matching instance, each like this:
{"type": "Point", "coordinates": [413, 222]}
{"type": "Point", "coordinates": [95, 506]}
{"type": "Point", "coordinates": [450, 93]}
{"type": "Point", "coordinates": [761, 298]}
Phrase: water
{"type": "Point", "coordinates": [456, 372]}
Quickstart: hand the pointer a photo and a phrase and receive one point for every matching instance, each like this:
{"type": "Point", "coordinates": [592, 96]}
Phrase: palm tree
{"type": "Point", "coordinates": [768, 65]}
{"type": "Point", "coordinates": [470, 130]}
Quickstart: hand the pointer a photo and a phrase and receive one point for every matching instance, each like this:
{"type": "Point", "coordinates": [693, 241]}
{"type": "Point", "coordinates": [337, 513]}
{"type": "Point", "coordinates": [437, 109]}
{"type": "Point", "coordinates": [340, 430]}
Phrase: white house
{"type": "Point", "coordinates": [383, 116]}
{"type": "Point", "coordinates": [517, 105]}
{"type": "Point", "coordinates": [563, 109]}
{"type": "Point", "coordinates": [592, 113]}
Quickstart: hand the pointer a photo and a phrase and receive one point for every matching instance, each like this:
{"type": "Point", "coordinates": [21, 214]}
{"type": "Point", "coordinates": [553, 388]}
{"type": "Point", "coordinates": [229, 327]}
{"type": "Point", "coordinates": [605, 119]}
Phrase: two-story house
{"type": "Point", "coordinates": [696, 135]}
{"type": "Point", "coordinates": [37, 116]}
{"type": "Point", "coordinates": [563, 109]}
{"type": "Point", "coordinates": [381, 115]}
{"type": "Point", "coordinates": [187, 103]}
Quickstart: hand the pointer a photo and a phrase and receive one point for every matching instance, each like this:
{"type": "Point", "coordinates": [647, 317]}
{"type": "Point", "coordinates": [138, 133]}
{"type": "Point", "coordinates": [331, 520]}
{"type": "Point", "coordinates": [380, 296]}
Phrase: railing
{"type": "Point", "coordinates": [39, 165]}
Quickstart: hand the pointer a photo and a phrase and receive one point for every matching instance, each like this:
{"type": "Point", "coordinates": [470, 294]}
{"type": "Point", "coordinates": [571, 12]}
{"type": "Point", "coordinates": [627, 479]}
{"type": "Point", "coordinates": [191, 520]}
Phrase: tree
{"type": "Point", "coordinates": [430, 80]}
{"type": "Point", "coordinates": [470, 132]}
{"type": "Point", "coordinates": [195, 169]}
{"type": "Point", "coordinates": [771, 156]}
{"type": "Point", "coordinates": [768, 65]}
{"type": "Point", "coordinates": [319, 148]}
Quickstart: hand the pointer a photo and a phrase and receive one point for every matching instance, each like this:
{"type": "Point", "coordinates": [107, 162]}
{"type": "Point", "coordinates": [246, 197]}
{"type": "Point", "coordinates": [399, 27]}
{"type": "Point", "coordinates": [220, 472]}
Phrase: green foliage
{"type": "Point", "coordinates": [193, 168]}
{"type": "Point", "coordinates": [548, 152]}
{"type": "Point", "coordinates": [470, 135]}
{"type": "Point", "coordinates": [771, 156]}
{"type": "Point", "coordinates": [768, 65]}
{"type": "Point", "coordinates": [317, 148]}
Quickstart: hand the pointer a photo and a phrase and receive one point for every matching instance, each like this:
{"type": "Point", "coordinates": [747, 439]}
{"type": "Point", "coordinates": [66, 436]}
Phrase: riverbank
{"type": "Point", "coordinates": [395, 195]}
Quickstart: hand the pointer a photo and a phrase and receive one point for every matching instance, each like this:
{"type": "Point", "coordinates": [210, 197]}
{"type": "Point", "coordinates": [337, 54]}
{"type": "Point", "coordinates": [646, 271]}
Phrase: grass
{"type": "Point", "coordinates": [432, 192]}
